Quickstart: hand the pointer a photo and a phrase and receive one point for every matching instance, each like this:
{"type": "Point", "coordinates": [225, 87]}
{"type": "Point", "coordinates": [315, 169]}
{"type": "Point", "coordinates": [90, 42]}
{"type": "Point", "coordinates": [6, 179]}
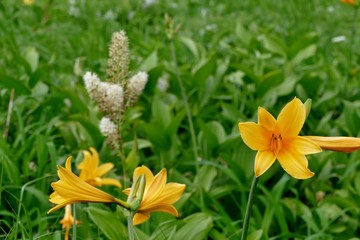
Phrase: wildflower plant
{"type": "Point", "coordinates": [148, 193]}
{"type": "Point", "coordinates": [118, 93]}
{"type": "Point", "coordinates": [350, 2]}
{"type": "Point", "coordinates": [278, 139]}
{"type": "Point", "coordinates": [157, 195]}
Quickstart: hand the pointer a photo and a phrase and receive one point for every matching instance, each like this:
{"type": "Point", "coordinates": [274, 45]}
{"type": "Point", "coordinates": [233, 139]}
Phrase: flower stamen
{"type": "Point", "coordinates": [275, 143]}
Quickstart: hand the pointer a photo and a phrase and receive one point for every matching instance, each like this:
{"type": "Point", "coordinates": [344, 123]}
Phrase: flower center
{"type": "Point", "coordinates": [275, 143]}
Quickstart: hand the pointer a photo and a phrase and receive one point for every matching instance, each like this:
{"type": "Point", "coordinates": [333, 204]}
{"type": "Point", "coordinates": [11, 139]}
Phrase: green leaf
{"type": "Point", "coordinates": [357, 183]}
{"type": "Point", "coordinates": [132, 158]}
{"type": "Point", "coordinates": [303, 54]}
{"type": "Point", "coordinates": [203, 223]}
{"type": "Point", "coordinates": [255, 235]}
{"type": "Point", "coordinates": [205, 177]}
{"type": "Point", "coordinates": [32, 57]}
{"type": "Point", "coordinates": [212, 83]}
{"type": "Point", "coordinates": [191, 45]}
{"type": "Point", "coordinates": [91, 129]}
{"type": "Point", "coordinates": [9, 169]}
{"type": "Point", "coordinates": [301, 42]}
{"type": "Point", "coordinates": [157, 136]}
{"type": "Point", "coordinates": [150, 62]}
{"type": "Point", "coordinates": [164, 231]}
{"type": "Point", "coordinates": [350, 117]}
{"type": "Point", "coordinates": [41, 197]}
{"type": "Point", "coordinates": [78, 105]}
{"type": "Point", "coordinates": [175, 122]}
{"type": "Point", "coordinates": [283, 89]}
{"type": "Point", "coordinates": [242, 34]}
{"type": "Point", "coordinates": [160, 112]}
{"type": "Point", "coordinates": [202, 71]}
{"type": "Point", "coordinates": [108, 222]}
{"type": "Point", "coordinates": [274, 45]}
{"type": "Point", "coordinates": [17, 85]}
{"type": "Point", "coordinates": [218, 130]}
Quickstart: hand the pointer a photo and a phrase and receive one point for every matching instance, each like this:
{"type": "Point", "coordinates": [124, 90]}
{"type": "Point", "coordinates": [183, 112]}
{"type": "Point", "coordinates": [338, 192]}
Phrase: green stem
{"type": "Point", "coordinates": [123, 163]}
{"type": "Point", "coordinates": [122, 203]}
{"type": "Point", "coordinates": [74, 224]}
{"type": "Point", "coordinates": [248, 208]}
{"type": "Point", "coordinates": [131, 225]}
{"type": "Point", "coordinates": [18, 221]}
{"type": "Point", "coordinates": [186, 102]}
{"type": "Point", "coordinates": [188, 113]}
{"type": "Point", "coordinates": [120, 148]}
{"type": "Point", "coordinates": [353, 34]}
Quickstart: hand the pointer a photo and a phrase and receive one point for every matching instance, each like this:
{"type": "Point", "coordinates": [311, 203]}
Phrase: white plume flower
{"type": "Point", "coordinates": [114, 97]}
{"type": "Point", "coordinates": [91, 81]}
{"type": "Point", "coordinates": [135, 87]}
{"type": "Point", "coordinates": [137, 83]}
{"type": "Point", "coordinates": [107, 127]}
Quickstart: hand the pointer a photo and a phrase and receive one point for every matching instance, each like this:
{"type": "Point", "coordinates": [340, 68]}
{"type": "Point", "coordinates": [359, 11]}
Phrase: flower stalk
{"type": "Point", "coordinates": [131, 230]}
{"type": "Point", "coordinates": [353, 34]}
{"type": "Point", "coordinates": [249, 207]}
{"type": "Point", "coordinates": [74, 223]}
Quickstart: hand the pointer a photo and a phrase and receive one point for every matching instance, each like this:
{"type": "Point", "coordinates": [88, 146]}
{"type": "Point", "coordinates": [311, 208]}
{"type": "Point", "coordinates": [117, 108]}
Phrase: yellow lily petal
{"type": "Point", "coordinates": [68, 163]}
{"type": "Point", "coordinates": [60, 205]}
{"type": "Point", "coordinates": [173, 192]}
{"type": "Point", "coordinates": [266, 119]}
{"type": "Point", "coordinates": [263, 161]}
{"type": "Point", "coordinates": [349, 2]}
{"type": "Point", "coordinates": [140, 218]}
{"type": "Point", "coordinates": [295, 164]}
{"type": "Point", "coordinates": [166, 208]}
{"type": "Point", "coordinates": [89, 162]}
{"type": "Point", "coordinates": [103, 169]}
{"type": "Point", "coordinates": [158, 195]}
{"type": "Point", "coordinates": [91, 172]}
{"type": "Point", "coordinates": [291, 118]}
{"type": "Point", "coordinates": [304, 146]}
{"type": "Point", "coordinates": [156, 187]}
{"type": "Point", "coordinates": [95, 155]}
{"type": "Point", "coordinates": [110, 181]}
{"type": "Point", "coordinates": [68, 221]}
{"type": "Point", "coordinates": [56, 198]}
{"type": "Point", "coordinates": [143, 170]}
{"type": "Point", "coordinates": [340, 144]}
{"type": "Point", "coordinates": [70, 189]}
{"type": "Point", "coordinates": [257, 137]}
{"type": "Point", "coordinates": [70, 186]}
{"type": "Point", "coordinates": [127, 191]}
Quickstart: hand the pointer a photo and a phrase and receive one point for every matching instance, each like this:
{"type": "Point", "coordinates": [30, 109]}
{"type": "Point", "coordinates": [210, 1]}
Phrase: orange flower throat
{"type": "Point", "coordinates": [276, 142]}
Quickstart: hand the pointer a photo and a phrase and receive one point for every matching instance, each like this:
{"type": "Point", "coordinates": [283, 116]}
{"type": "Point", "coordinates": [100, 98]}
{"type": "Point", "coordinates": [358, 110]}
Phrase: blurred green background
{"type": "Point", "coordinates": [231, 57]}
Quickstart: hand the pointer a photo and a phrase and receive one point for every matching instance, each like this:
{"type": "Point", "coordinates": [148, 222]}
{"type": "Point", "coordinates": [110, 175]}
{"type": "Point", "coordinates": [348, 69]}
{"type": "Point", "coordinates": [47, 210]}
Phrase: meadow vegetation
{"type": "Point", "coordinates": [210, 65]}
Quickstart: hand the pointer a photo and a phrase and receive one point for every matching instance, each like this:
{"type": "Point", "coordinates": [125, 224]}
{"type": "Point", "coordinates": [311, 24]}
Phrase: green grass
{"type": "Point", "coordinates": [231, 57]}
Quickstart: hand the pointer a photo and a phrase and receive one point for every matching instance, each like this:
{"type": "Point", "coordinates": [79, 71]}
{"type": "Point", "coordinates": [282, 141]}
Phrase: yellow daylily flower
{"type": "Point", "coordinates": [72, 189]}
{"type": "Point", "coordinates": [68, 221]}
{"type": "Point", "coordinates": [28, 2]}
{"type": "Point", "coordinates": [349, 2]}
{"type": "Point", "coordinates": [278, 139]}
{"type": "Point", "coordinates": [91, 172]}
{"type": "Point", "coordinates": [158, 195]}
{"type": "Point", "coordinates": [339, 144]}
